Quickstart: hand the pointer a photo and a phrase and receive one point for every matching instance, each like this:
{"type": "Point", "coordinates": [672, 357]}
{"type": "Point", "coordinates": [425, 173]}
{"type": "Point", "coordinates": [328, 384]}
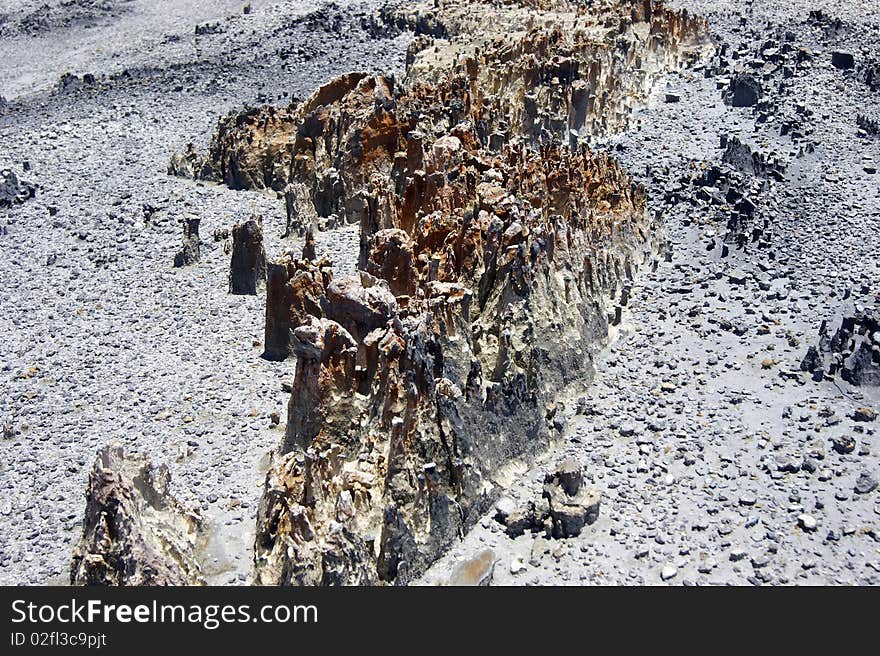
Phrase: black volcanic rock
{"type": "Point", "coordinates": [744, 91]}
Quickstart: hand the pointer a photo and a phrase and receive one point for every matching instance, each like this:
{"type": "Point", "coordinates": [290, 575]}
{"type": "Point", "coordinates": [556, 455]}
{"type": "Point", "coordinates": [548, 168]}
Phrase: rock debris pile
{"type": "Point", "coordinates": [565, 506]}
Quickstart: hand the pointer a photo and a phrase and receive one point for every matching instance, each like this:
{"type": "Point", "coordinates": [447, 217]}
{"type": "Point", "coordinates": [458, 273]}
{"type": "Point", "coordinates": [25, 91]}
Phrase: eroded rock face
{"type": "Point", "coordinates": [247, 270]}
{"type": "Point", "coordinates": [247, 150]}
{"type": "Point", "coordinates": [491, 253]}
{"type": "Point", "coordinates": [293, 292]}
{"type": "Point", "coordinates": [134, 532]}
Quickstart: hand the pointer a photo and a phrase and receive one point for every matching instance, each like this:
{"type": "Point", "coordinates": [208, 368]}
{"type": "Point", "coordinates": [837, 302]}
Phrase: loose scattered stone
{"type": "Point", "coordinates": [668, 572]}
{"type": "Point", "coordinates": [807, 522]}
{"type": "Point", "coordinates": [866, 483]}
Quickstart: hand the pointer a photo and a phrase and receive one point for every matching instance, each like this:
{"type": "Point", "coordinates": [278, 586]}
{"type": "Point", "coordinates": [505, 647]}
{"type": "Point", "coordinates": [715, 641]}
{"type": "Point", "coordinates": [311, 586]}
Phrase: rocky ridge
{"type": "Point", "coordinates": [491, 245]}
{"type": "Point", "coordinates": [486, 263]}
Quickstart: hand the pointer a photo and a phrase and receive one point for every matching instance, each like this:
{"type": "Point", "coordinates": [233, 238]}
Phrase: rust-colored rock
{"type": "Point", "coordinates": [293, 292]}
{"type": "Point", "coordinates": [493, 250]}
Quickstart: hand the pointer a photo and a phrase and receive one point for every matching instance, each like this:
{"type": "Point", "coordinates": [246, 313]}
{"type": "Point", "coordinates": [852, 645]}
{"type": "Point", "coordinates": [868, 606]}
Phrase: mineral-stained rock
{"type": "Point", "coordinates": [287, 548]}
{"type": "Point", "coordinates": [491, 254]}
{"type": "Point", "coordinates": [843, 444]}
{"type": "Point", "coordinates": [474, 571]}
{"type": "Point", "coordinates": [299, 209]}
{"type": "Point", "coordinates": [293, 292]}
{"type": "Point", "coordinates": [247, 148]}
{"type": "Point", "coordinates": [414, 402]}
{"type": "Point", "coordinates": [247, 270]}
{"type": "Point", "coordinates": [189, 252]}
{"type": "Point", "coordinates": [134, 532]}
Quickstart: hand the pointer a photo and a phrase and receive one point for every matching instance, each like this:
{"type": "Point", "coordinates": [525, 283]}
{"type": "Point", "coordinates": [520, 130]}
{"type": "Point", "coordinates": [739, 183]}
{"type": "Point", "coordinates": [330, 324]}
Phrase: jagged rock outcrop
{"type": "Point", "coordinates": [852, 352]}
{"type": "Point", "coordinates": [249, 149]}
{"type": "Point", "coordinates": [134, 532]}
{"type": "Point", "coordinates": [492, 246]}
{"type": "Point", "coordinates": [484, 289]}
{"type": "Point", "coordinates": [737, 190]}
{"type": "Point", "coordinates": [186, 164]}
{"type": "Point", "coordinates": [536, 72]}
{"type": "Point", "coordinates": [189, 251]}
{"type": "Point", "coordinates": [247, 270]}
{"type": "Point", "coordinates": [293, 292]}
